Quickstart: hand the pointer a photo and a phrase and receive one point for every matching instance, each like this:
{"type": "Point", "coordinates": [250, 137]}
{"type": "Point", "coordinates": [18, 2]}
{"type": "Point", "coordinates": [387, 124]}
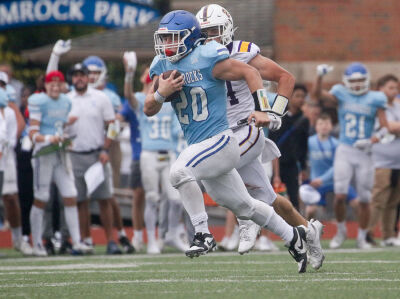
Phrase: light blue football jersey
{"type": "Point", "coordinates": [201, 105]}
{"type": "Point", "coordinates": [115, 99]}
{"type": "Point", "coordinates": [357, 113]}
{"type": "Point", "coordinates": [155, 131]}
{"type": "Point", "coordinates": [52, 114]}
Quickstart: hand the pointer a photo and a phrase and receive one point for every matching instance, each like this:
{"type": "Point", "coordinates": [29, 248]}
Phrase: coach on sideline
{"type": "Point", "coordinates": [91, 113]}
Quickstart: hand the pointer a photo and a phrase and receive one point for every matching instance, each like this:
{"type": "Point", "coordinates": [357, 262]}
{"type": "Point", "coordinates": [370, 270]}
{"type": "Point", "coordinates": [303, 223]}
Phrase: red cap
{"type": "Point", "coordinates": [148, 79]}
{"type": "Point", "coordinates": [54, 76]}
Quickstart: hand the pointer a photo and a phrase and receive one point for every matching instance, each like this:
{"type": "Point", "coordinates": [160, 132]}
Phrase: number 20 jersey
{"type": "Point", "coordinates": [357, 113]}
{"type": "Point", "coordinates": [201, 105]}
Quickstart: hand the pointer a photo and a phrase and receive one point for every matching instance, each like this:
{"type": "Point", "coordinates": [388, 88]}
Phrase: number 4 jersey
{"type": "Point", "coordinates": [201, 105]}
{"type": "Point", "coordinates": [357, 113]}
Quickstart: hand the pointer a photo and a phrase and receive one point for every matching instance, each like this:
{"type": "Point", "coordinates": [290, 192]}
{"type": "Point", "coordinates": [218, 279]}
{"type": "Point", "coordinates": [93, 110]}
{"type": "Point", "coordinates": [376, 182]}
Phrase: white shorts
{"type": "Point", "coordinates": [251, 142]}
{"type": "Point", "coordinates": [351, 164]}
{"type": "Point", "coordinates": [53, 167]}
{"type": "Point", "coordinates": [10, 185]}
{"type": "Point", "coordinates": [155, 168]}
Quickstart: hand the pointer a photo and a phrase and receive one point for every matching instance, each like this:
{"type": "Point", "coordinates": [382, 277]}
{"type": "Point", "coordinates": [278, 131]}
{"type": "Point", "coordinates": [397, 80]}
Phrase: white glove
{"type": "Point", "coordinates": [61, 47]}
{"type": "Point", "coordinates": [324, 69]}
{"type": "Point", "coordinates": [131, 59]}
{"type": "Point", "coordinates": [275, 122]}
{"type": "Point", "coordinates": [363, 145]}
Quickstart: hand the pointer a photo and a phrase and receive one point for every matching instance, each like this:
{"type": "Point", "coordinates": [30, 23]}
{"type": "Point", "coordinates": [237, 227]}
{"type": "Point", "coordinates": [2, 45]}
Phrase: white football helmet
{"type": "Point", "coordinates": [356, 78]}
{"type": "Point", "coordinates": [214, 15]}
{"type": "Point", "coordinates": [97, 71]}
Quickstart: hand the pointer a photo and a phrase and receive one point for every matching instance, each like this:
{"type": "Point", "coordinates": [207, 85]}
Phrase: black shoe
{"type": "Point", "coordinates": [49, 247]}
{"type": "Point", "coordinates": [126, 245]}
{"type": "Point", "coordinates": [202, 244]}
{"type": "Point", "coordinates": [66, 247]}
{"type": "Point", "coordinates": [370, 239]}
{"type": "Point", "coordinates": [112, 248]}
{"type": "Point", "coordinates": [298, 248]}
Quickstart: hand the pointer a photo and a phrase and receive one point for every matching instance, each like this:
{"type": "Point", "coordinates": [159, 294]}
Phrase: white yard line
{"type": "Point", "coordinates": [151, 281]}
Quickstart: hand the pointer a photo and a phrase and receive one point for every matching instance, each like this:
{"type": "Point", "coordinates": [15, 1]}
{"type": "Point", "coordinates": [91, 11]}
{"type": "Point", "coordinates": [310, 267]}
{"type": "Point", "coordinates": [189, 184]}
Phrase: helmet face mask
{"type": "Point", "coordinates": [214, 16]}
{"type": "Point", "coordinates": [177, 35]}
{"type": "Point", "coordinates": [356, 78]}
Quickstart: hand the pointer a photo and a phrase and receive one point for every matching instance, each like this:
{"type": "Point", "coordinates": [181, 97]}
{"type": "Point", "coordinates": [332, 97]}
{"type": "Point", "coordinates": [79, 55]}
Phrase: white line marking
{"type": "Point", "coordinates": [70, 267]}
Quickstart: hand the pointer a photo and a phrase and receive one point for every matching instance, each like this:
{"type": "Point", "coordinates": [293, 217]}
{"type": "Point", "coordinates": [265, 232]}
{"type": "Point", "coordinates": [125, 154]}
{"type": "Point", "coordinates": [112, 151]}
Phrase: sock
{"type": "Point", "coordinates": [151, 236]}
{"type": "Point", "coordinates": [16, 235]}
{"type": "Point", "coordinates": [121, 233]}
{"type": "Point", "coordinates": [200, 223]}
{"type": "Point", "coordinates": [362, 234]}
{"type": "Point", "coordinates": [138, 234]}
{"type": "Point", "coordinates": [279, 227]}
{"type": "Point", "coordinates": [150, 215]}
{"type": "Point", "coordinates": [341, 226]}
{"type": "Point", "coordinates": [36, 220]}
{"type": "Point", "coordinates": [72, 220]}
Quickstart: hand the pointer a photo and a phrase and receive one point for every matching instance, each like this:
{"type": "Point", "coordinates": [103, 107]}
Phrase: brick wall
{"type": "Point", "coordinates": [337, 30]}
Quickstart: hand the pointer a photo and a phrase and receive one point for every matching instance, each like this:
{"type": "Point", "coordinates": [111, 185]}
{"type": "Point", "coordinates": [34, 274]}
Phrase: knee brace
{"type": "Point", "coordinates": [180, 175]}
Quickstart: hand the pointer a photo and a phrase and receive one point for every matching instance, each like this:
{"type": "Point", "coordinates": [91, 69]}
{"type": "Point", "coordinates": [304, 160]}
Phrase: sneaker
{"type": "Point", "coordinates": [39, 250]}
{"type": "Point", "coordinates": [153, 248]}
{"type": "Point", "coordinates": [176, 242]}
{"type": "Point", "coordinates": [137, 244]}
{"type": "Point", "coordinates": [316, 256]}
{"type": "Point", "coordinates": [362, 244]}
{"type": "Point", "coordinates": [391, 242]}
{"type": "Point", "coordinates": [81, 248]}
{"type": "Point", "coordinates": [248, 232]}
{"type": "Point", "coordinates": [201, 245]}
{"type": "Point", "coordinates": [49, 247]}
{"type": "Point", "coordinates": [25, 248]}
{"type": "Point", "coordinates": [298, 247]}
{"type": "Point", "coordinates": [112, 248]}
{"type": "Point", "coordinates": [66, 247]}
{"type": "Point", "coordinates": [265, 244]}
{"type": "Point", "coordinates": [126, 245]}
{"type": "Point", "coordinates": [338, 239]}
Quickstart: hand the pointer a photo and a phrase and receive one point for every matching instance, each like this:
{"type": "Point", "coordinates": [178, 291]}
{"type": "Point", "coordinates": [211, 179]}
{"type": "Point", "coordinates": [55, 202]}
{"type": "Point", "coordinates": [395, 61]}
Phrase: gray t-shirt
{"type": "Point", "coordinates": [388, 155]}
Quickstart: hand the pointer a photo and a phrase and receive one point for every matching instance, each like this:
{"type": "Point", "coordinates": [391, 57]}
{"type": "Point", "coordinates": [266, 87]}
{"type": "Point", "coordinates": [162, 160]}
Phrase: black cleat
{"type": "Point", "coordinates": [298, 247]}
{"type": "Point", "coordinates": [66, 247]}
{"type": "Point", "coordinates": [201, 245]}
{"type": "Point", "coordinates": [49, 247]}
{"type": "Point", "coordinates": [126, 245]}
{"type": "Point", "coordinates": [112, 248]}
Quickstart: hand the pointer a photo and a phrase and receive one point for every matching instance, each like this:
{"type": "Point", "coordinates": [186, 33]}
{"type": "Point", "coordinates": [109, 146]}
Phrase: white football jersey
{"type": "Point", "coordinates": [240, 103]}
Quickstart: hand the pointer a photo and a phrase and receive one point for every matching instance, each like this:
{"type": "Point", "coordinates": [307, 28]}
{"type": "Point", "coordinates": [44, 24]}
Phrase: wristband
{"type": "Point", "coordinates": [381, 133]}
{"type": "Point", "coordinates": [159, 98]}
{"type": "Point", "coordinates": [128, 77]}
{"type": "Point", "coordinates": [36, 134]}
{"type": "Point", "coordinates": [261, 100]}
{"type": "Point", "coordinates": [279, 105]}
{"type": "Point", "coordinates": [47, 138]}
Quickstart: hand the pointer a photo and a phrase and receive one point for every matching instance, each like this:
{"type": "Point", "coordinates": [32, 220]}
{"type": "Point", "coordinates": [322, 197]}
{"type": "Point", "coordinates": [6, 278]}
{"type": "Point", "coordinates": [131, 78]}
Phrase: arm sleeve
{"type": "Point", "coordinates": [35, 107]}
{"type": "Point", "coordinates": [53, 63]}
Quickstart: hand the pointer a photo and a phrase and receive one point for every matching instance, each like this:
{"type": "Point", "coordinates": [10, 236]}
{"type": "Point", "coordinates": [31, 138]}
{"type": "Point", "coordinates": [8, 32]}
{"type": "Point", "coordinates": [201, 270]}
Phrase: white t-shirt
{"type": "Point", "coordinates": [8, 133]}
{"type": "Point", "coordinates": [92, 109]}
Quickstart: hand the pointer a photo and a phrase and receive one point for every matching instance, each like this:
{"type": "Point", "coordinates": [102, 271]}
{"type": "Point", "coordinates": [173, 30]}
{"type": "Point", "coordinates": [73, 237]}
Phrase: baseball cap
{"type": "Point", "coordinates": [79, 67]}
{"type": "Point", "coordinates": [54, 76]}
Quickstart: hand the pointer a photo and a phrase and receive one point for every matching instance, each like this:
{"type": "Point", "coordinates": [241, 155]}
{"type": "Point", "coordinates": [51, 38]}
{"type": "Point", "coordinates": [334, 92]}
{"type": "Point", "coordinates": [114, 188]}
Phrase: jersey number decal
{"type": "Point", "coordinates": [160, 128]}
{"type": "Point", "coordinates": [198, 97]}
{"type": "Point", "coordinates": [234, 100]}
{"type": "Point", "coordinates": [351, 126]}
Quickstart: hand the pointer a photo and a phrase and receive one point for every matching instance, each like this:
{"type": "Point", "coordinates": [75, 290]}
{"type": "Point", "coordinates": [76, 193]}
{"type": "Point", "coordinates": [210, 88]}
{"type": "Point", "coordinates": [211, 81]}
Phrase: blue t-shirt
{"type": "Point", "coordinates": [357, 113]}
{"type": "Point", "coordinates": [201, 105]}
{"type": "Point", "coordinates": [115, 99]}
{"type": "Point", "coordinates": [321, 156]}
{"type": "Point", "coordinates": [155, 130]}
{"type": "Point", "coordinates": [130, 116]}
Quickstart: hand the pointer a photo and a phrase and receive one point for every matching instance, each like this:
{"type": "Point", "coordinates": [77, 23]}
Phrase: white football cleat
{"type": "Point", "coordinates": [391, 242]}
{"type": "Point", "coordinates": [137, 243]}
{"type": "Point", "coordinates": [363, 244]}
{"type": "Point", "coordinates": [25, 248]}
{"type": "Point", "coordinates": [338, 239]}
{"type": "Point", "coordinates": [39, 250]}
{"type": "Point", "coordinates": [316, 256]}
{"type": "Point", "coordinates": [82, 248]}
{"type": "Point", "coordinates": [152, 247]}
{"type": "Point", "coordinates": [248, 232]}
{"type": "Point", "coordinates": [177, 243]}
{"type": "Point", "coordinates": [265, 244]}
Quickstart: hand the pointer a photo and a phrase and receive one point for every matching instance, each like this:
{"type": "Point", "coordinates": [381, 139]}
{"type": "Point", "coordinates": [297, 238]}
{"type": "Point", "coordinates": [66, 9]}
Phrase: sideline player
{"type": "Point", "coordinates": [358, 106]}
{"type": "Point", "coordinates": [48, 114]}
{"type": "Point", "coordinates": [213, 151]}
{"type": "Point", "coordinates": [217, 23]}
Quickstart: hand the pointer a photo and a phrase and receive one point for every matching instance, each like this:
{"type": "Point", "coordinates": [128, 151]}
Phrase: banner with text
{"type": "Point", "coordinates": [110, 14]}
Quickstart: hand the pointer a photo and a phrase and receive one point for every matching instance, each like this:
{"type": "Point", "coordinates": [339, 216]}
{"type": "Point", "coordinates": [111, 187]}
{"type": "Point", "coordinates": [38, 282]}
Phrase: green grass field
{"type": "Point", "coordinates": [347, 273]}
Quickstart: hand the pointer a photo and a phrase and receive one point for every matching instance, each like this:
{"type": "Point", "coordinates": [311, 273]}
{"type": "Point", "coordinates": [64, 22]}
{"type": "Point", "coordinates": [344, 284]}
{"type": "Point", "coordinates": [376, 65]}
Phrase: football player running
{"type": "Point", "coordinates": [358, 107]}
{"type": "Point", "coordinates": [217, 23]}
{"type": "Point", "coordinates": [213, 151]}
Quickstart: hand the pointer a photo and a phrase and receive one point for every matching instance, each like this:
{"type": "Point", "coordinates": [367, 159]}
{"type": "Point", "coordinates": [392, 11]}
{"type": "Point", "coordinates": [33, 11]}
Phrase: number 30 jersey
{"type": "Point", "coordinates": [201, 105]}
{"type": "Point", "coordinates": [357, 113]}
{"type": "Point", "coordinates": [238, 91]}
